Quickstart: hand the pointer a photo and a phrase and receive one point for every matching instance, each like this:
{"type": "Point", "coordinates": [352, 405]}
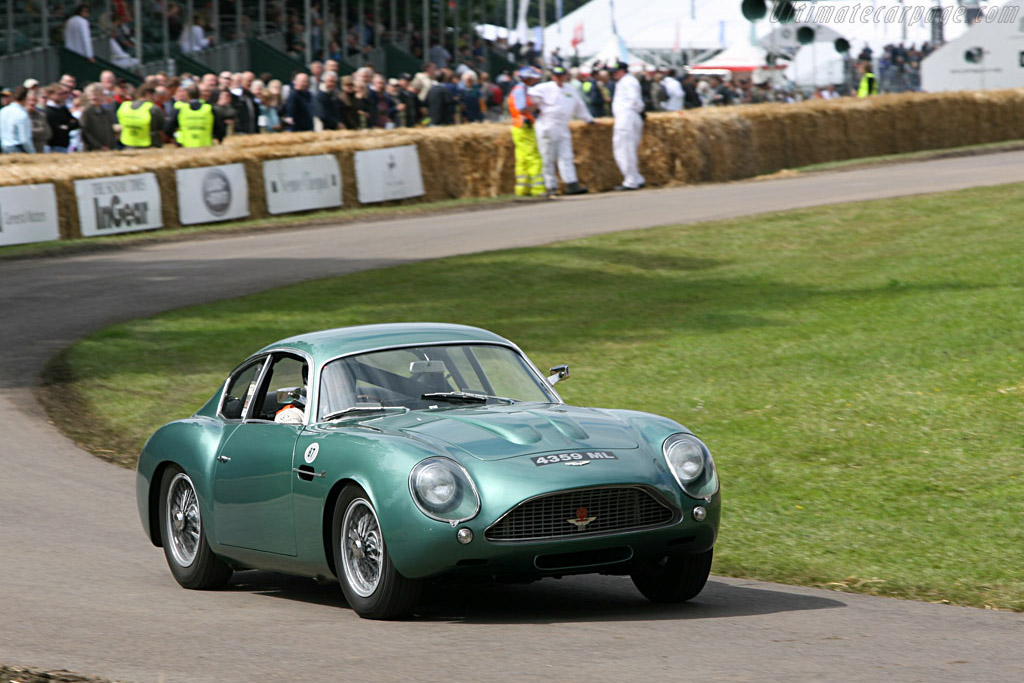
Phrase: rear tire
{"type": "Point", "coordinates": [675, 578]}
{"type": "Point", "coordinates": [372, 586]}
{"type": "Point", "coordinates": [188, 554]}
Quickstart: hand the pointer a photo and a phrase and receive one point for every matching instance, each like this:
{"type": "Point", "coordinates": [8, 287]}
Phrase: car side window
{"type": "Point", "coordinates": [282, 397]}
{"type": "Point", "coordinates": [240, 390]}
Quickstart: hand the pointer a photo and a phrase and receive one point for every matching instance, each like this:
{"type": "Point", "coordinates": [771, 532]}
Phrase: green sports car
{"type": "Point", "coordinates": [385, 455]}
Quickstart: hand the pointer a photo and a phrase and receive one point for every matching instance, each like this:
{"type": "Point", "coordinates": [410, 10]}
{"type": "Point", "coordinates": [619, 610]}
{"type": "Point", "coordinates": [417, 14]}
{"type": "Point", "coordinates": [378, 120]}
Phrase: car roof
{"type": "Point", "coordinates": [341, 341]}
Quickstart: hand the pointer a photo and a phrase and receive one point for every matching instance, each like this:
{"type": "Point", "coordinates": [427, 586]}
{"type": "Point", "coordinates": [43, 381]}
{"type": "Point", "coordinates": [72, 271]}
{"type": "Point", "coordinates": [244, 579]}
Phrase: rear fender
{"type": "Point", "coordinates": [191, 444]}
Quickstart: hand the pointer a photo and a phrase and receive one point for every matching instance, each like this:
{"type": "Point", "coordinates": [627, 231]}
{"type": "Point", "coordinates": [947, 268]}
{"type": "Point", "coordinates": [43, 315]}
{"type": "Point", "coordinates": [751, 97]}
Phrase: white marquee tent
{"type": "Point", "coordinates": [740, 57]}
{"type": "Point", "coordinates": [612, 52]}
{"type": "Point", "coordinates": [650, 25]}
{"type": "Point", "coordinates": [701, 25]}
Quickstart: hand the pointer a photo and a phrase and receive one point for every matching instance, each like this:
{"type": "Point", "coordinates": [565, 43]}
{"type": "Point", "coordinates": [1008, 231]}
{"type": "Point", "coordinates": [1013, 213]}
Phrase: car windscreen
{"type": "Point", "coordinates": [423, 377]}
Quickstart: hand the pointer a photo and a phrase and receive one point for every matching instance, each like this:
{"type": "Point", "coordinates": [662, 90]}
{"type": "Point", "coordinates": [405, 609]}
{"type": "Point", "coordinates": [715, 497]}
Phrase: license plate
{"type": "Point", "coordinates": [566, 458]}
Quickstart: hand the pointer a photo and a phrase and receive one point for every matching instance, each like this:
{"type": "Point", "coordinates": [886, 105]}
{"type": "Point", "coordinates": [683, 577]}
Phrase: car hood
{"type": "Point", "coordinates": [495, 432]}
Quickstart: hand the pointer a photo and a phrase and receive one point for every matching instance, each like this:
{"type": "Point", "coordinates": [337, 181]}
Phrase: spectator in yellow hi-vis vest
{"type": "Point", "coordinates": [868, 83]}
{"type": "Point", "coordinates": [141, 121]}
{"type": "Point", "coordinates": [195, 123]}
{"type": "Point", "coordinates": [529, 181]}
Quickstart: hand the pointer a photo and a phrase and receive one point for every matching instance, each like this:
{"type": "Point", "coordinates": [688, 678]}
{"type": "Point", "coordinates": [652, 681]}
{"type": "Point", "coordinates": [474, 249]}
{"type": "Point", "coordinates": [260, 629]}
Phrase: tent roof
{"type": "Point", "coordinates": [718, 24]}
{"type": "Point", "coordinates": [611, 52]}
{"type": "Point", "coordinates": [651, 24]}
{"type": "Point", "coordinates": [741, 57]}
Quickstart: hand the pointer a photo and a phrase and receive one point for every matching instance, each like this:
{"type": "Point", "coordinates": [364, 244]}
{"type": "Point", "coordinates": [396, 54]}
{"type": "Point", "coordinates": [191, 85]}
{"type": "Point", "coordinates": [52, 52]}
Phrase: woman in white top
{"type": "Point", "coordinates": [194, 38]}
{"type": "Point", "coordinates": [77, 37]}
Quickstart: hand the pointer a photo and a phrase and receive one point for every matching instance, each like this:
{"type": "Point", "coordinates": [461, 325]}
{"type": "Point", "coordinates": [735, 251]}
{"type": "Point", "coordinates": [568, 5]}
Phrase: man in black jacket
{"type": "Point", "coordinates": [60, 118]}
{"type": "Point", "coordinates": [691, 98]}
{"type": "Point", "coordinates": [441, 102]}
{"type": "Point", "coordinates": [247, 112]}
{"type": "Point", "coordinates": [298, 110]}
{"type": "Point", "coordinates": [408, 102]}
{"type": "Point", "coordinates": [328, 106]}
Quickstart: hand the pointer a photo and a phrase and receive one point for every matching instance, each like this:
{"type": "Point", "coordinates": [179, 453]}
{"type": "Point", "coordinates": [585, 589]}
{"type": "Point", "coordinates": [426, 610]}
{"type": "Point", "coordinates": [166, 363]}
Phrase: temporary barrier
{"type": "Point", "coordinates": [301, 171]}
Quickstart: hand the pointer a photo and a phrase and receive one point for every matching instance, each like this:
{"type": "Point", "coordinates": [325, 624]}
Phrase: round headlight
{"type": "Point", "coordinates": [436, 486]}
{"type": "Point", "coordinates": [685, 455]}
{"type": "Point", "coordinates": [443, 490]}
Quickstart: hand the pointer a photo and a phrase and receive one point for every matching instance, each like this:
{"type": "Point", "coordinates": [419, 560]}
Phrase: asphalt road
{"type": "Point", "coordinates": [82, 589]}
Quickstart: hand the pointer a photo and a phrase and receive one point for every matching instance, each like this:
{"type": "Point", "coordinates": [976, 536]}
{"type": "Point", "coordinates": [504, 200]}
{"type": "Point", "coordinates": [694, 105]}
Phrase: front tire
{"type": "Point", "coordinates": [372, 586]}
{"type": "Point", "coordinates": [675, 578]}
{"type": "Point", "coordinates": [188, 554]}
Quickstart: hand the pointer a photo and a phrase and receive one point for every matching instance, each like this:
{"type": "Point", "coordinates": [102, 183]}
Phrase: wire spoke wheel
{"type": "Point", "coordinates": [362, 548]}
{"type": "Point", "coordinates": [372, 586]}
{"type": "Point", "coordinates": [183, 523]}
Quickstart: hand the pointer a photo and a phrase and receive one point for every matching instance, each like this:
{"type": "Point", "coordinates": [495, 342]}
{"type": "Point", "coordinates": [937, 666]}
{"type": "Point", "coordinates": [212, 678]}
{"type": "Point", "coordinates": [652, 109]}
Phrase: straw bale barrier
{"type": "Point", "coordinates": [714, 144]}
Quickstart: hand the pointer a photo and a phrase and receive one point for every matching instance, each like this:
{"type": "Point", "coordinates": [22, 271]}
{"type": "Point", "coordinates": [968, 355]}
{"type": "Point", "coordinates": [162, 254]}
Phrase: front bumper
{"type": "Point", "coordinates": [435, 549]}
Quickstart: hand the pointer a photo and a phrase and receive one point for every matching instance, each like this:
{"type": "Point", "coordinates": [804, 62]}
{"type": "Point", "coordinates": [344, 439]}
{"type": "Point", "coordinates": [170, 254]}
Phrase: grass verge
{"type": "Point", "coordinates": [215, 230]}
{"type": "Point", "coordinates": [856, 369]}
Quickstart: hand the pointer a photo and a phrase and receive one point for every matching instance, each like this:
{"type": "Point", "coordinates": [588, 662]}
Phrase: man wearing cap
{"type": "Point", "coordinates": [557, 104]}
{"type": "Point", "coordinates": [523, 108]}
{"type": "Point", "coordinates": [627, 108]}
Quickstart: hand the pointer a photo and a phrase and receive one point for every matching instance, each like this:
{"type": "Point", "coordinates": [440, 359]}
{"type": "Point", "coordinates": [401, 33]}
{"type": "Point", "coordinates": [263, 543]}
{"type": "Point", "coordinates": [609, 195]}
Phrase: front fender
{"type": "Point", "coordinates": [378, 462]}
{"type": "Point", "coordinates": [191, 444]}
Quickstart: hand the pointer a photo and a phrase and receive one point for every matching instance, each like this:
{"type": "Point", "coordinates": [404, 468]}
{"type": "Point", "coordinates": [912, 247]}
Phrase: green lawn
{"type": "Point", "coordinates": [856, 370]}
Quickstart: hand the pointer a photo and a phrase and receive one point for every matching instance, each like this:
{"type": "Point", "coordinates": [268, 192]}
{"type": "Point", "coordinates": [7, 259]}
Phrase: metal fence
{"type": "Point", "coordinates": [227, 57]}
{"type": "Point", "coordinates": [39, 63]}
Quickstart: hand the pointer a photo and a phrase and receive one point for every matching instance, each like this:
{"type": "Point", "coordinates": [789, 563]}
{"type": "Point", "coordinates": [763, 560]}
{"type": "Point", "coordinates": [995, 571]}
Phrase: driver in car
{"type": "Point", "coordinates": [294, 411]}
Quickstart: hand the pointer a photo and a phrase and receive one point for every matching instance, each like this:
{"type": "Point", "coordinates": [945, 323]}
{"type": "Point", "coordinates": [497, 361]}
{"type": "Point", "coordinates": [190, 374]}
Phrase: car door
{"type": "Point", "coordinates": [253, 480]}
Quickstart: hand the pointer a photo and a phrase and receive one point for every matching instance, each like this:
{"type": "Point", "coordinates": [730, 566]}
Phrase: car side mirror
{"type": "Point", "coordinates": [558, 373]}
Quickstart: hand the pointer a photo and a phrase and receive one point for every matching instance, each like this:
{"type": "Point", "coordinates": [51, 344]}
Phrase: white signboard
{"type": "Point", "coordinates": [28, 213]}
{"type": "Point", "coordinates": [127, 203]}
{"type": "Point", "coordinates": [302, 183]}
{"type": "Point", "coordinates": [212, 193]}
{"type": "Point", "coordinates": [390, 173]}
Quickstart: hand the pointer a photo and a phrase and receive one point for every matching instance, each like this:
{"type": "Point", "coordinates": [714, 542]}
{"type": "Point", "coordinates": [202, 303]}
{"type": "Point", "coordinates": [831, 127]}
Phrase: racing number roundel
{"type": "Point", "coordinates": [310, 455]}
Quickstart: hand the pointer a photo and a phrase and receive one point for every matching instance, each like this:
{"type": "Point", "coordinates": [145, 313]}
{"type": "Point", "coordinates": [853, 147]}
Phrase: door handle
{"type": "Point", "coordinates": [222, 458]}
{"type": "Point", "coordinates": [309, 473]}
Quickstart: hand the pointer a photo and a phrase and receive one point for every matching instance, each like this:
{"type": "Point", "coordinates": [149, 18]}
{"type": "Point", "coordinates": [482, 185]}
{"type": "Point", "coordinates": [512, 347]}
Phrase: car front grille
{"type": "Point", "coordinates": [580, 513]}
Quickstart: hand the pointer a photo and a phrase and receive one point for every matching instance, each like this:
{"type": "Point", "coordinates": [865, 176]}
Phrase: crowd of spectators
{"type": "Point", "coordinates": [453, 85]}
{"type": "Point", "coordinates": [899, 66]}
{"type": "Point", "coordinates": [65, 118]}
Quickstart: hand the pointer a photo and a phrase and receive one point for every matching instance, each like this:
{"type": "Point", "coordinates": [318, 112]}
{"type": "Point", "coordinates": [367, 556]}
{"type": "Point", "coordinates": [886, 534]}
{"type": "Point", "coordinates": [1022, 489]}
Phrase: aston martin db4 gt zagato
{"type": "Point", "coordinates": [384, 455]}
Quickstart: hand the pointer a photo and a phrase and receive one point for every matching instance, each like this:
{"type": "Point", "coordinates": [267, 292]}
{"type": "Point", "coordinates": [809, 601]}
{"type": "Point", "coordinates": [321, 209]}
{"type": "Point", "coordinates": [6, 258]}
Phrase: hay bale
{"type": "Point", "coordinates": [477, 160]}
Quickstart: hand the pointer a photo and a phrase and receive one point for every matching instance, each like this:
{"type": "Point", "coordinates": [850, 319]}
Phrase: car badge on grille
{"type": "Point", "coordinates": [582, 520]}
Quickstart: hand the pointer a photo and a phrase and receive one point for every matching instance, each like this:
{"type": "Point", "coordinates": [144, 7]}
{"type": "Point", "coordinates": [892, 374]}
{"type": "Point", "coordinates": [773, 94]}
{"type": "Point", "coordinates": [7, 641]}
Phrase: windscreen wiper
{"type": "Point", "coordinates": [464, 397]}
{"type": "Point", "coordinates": [366, 408]}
